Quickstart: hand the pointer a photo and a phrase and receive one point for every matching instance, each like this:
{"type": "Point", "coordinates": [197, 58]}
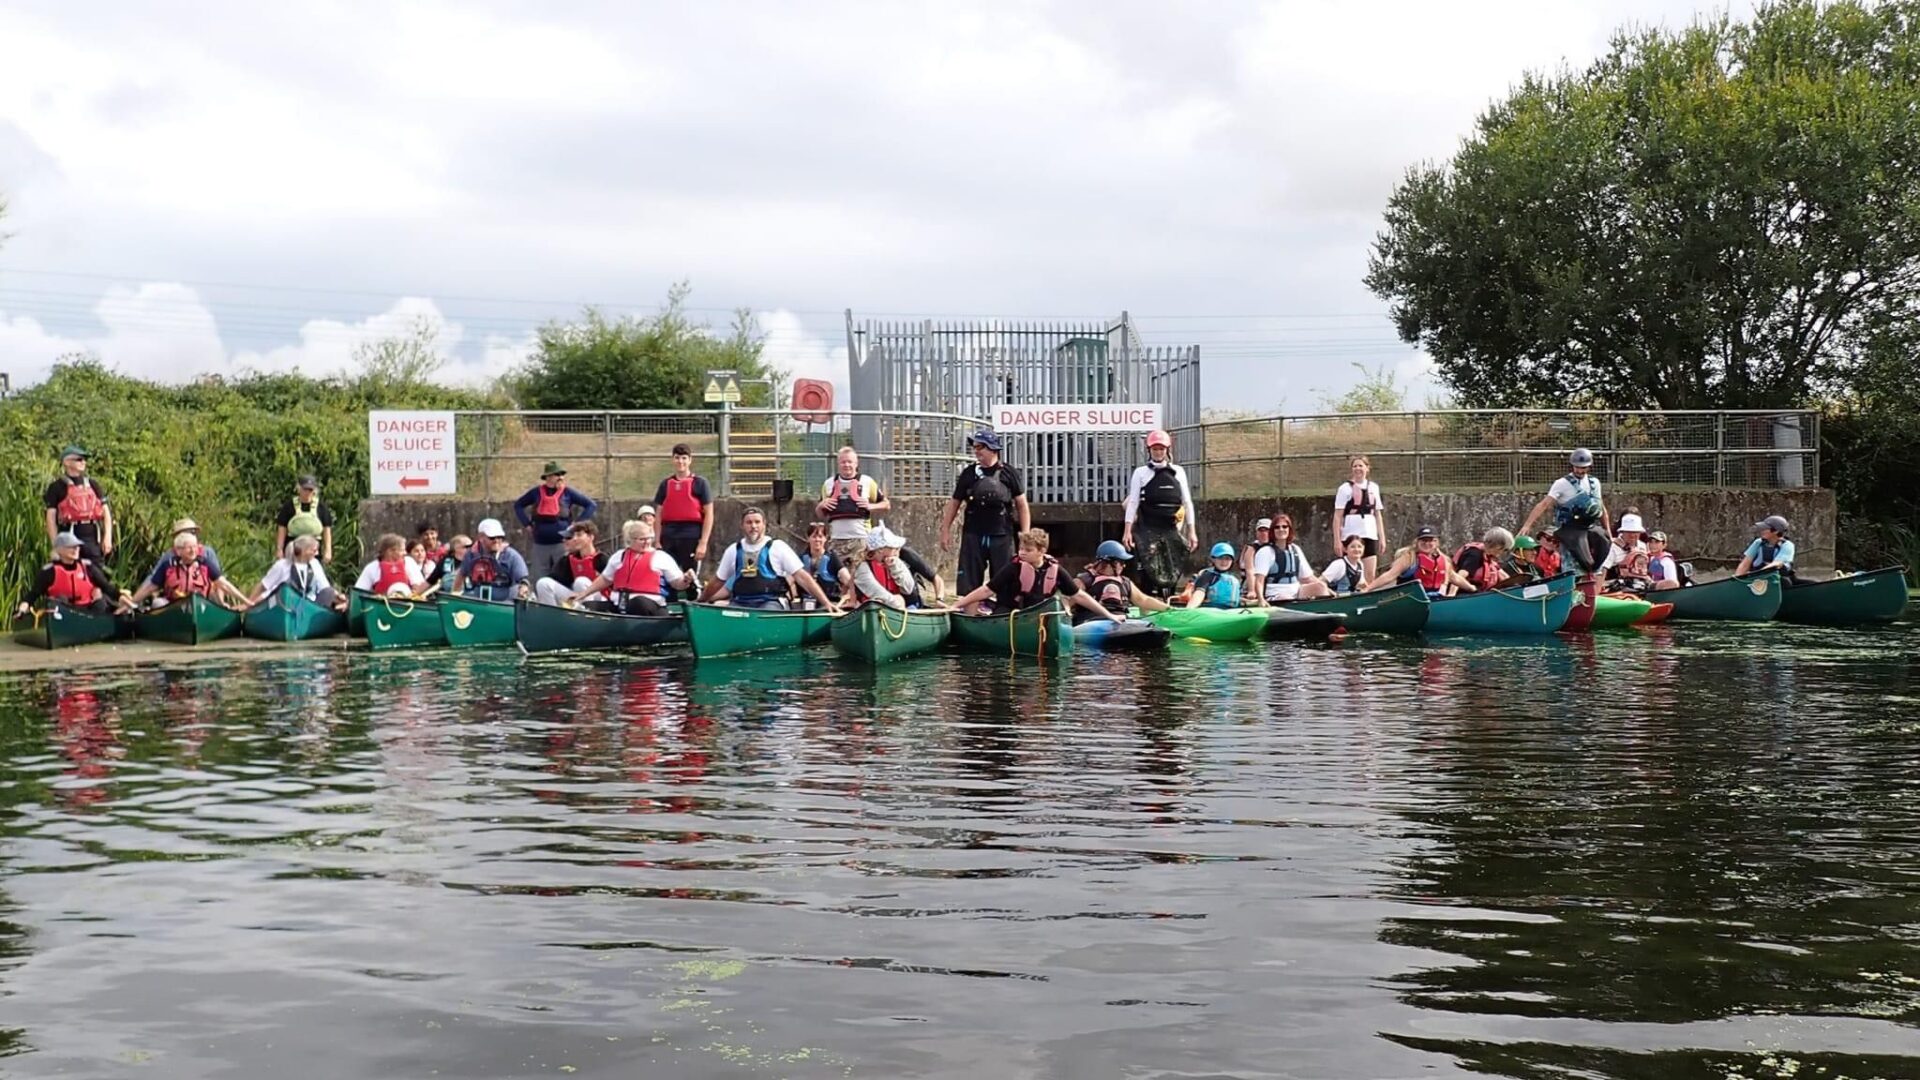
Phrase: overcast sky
{"type": "Point", "coordinates": [214, 185]}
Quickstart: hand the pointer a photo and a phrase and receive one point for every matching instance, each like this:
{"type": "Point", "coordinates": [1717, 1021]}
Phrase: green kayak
{"type": "Point", "coordinates": [398, 623]}
{"type": "Point", "coordinates": [1399, 610]}
{"type": "Point", "coordinates": [1755, 598]}
{"type": "Point", "coordinates": [1614, 612]}
{"type": "Point", "coordinates": [1878, 596]}
{"type": "Point", "coordinates": [546, 628]}
{"type": "Point", "coordinates": [471, 623]}
{"type": "Point", "coordinates": [193, 621]}
{"type": "Point", "coordinates": [725, 630]}
{"type": "Point", "coordinates": [1041, 631]}
{"type": "Point", "coordinates": [60, 627]}
{"type": "Point", "coordinates": [1212, 624]}
{"type": "Point", "coordinates": [287, 615]}
{"type": "Point", "coordinates": [876, 633]}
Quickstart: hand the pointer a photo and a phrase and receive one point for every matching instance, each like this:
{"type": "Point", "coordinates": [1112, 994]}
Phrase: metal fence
{"type": "Point", "coordinates": [625, 455]}
{"type": "Point", "coordinates": [969, 368]}
{"type": "Point", "coordinates": [1501, 450]}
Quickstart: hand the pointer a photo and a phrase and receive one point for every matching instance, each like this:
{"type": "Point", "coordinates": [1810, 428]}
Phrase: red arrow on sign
{"type": "Point", "coordinates": [414, 481]}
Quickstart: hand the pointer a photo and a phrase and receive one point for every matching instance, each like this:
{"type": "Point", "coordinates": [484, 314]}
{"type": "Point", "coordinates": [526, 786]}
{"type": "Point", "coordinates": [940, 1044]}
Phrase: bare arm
{"type": "Point", "coordinates": [279, 541]}
{"type": "Point", "coordinates": [1533, 515]}
{"type": "Point", "coordinates": [53, 523]}
{"type": "Point", "coordinates": [946, 524]}
{"type": "Point", "coordinates": [1082, 600]}
{"type": "Point", "coordinates": [1144, 602]}
{"type": "Point", "coordinates": [326, 544]}
{"type": "Point", "coordinates": [706, 531]}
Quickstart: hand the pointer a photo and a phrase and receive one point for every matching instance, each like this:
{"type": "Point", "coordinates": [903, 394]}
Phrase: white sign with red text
{"type": "Point", "coordinates": [411, 453]}
{"type": "Point", "coordinates": [1063, 418]}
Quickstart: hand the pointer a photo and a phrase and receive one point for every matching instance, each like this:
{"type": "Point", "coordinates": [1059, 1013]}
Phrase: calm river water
{"type": "Point", "coordinates": [1686, 852]}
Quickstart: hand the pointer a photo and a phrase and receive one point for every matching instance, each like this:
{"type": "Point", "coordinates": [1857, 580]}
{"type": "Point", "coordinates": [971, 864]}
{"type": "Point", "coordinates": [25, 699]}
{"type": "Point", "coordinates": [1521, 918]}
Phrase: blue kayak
{"type": "Point", "coordinates": [1134, 634]}
{"type": "Point", "coordinates": [1528, 609]}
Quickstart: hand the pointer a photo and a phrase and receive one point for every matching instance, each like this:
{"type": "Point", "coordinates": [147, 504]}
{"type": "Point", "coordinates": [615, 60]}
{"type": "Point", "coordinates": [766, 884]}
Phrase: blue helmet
{"type": "Point", "coordinates": [1112, 550]}
{"type": "Point", "coordinates": [1222, 550]}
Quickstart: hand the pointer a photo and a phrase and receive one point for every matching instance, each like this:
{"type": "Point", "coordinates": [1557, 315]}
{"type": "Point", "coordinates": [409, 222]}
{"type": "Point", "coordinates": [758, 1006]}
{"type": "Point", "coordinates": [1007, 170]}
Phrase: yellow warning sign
{"type": "Point", "coordinates": [722, 386]}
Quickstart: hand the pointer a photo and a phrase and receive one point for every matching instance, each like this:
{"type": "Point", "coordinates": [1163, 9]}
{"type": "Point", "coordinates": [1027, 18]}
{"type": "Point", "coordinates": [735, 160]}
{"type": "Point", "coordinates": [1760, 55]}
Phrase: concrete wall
{"type": "Point", "coordinates": [1709, 528]}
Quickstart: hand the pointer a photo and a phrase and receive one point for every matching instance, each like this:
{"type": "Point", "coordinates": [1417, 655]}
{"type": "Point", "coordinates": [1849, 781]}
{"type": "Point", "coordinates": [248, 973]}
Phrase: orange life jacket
{"type": "Point", "coordinates": [188, 579]}
{"type": "Point", "coordinates": [72, 584]}
{"type": "Point", "coordinates": [550, 502]}
{"type": "Point", "coordinates": [1487, 575]}
{"type": "Point", "coordinates": [391, 574]}
{"type": "Point", "coordinates": [638, 575]}
{"type": "Point", "coordinates": [81, 504]}
{"type": "Point", "coordinates": [680, 506]}
{"type": "Point", "coordinates": [1430, 571]}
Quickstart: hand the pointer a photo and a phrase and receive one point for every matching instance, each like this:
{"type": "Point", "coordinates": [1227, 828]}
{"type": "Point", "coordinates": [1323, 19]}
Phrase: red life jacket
{"type": "Point", "coordinates": [1048, 579]}
{"type": "Point", "coordinates": [885, 577]}
{"type": "Point", "coordinates": [637, 574]}
{"type": "Point", "coordinates": [1487, 575]}
{"type": "Point", "coordinates": [843, 493]}
{"type": "Point", "coordinates": [72, 585]}
{"type": "Point", "coordinates": [549, 502]}
{"type": "Point", "coordinates": [1547, 562]}
{"type": "Point", "coordinates": [486, 570]}
{"type": "Point", "coordinates": [1430, 571]}
{"type": "Point", "coordinates": [581, 566]}
{"type": "Point", "coordinates": [391, 574]}
{"type": "Point", "coordinates": [186, 579]}
{"type": "Point", "coordinates": [81, 504]}
{"type": "Point", "coordinates": [680, 506]}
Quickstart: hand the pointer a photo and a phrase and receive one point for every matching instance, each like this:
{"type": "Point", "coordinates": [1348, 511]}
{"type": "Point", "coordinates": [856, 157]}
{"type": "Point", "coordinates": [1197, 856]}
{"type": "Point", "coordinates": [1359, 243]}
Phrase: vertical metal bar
{"type": "Point", "coordinates": [726, 448]}
{"type": "Point", "coordinates": [1515, 474]}
{"type": "Point", "coordinates": [606, 455]}
{"type": "Point", "coordinates": [486, 473]}
{"type": "Point", "coordinates": [1613, 458]}
{"type": "Point", "coordinates": [1719, 449]}
{"type": "Point", "coordinates": [1280, 453]}
{"type": "Point", "coordinates": [1419, 460]}
{"type": "Point", "coordinates": [1816, 449]}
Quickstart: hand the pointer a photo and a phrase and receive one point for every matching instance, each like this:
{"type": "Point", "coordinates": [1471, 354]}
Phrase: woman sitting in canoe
{"type": "Point", "coordinates": [823, 565]}
{"type": "Point", "coordinates": [72, 581]}
{"type": "Point", "coordinates": [1626, 563]}
{"type": "Point", "coordinates": [580, 561]}
{"type": "Point", "coordinates": [1482, 566]}
{"type": "Point", "coordinates": [759, 571]}
{"type": "Point", "coordinates": [1663, 572]}
{"type": "Point", "coordinates": [1281, 571]}
{"type": "Point", "coordinates": [1546, 556]}
{"type": "Point", "coordinates": [391, 573]}
{"type": "Point", "coordinates": [301, 569]}
{"type": "Point", "coordinates": [1771, 551]}
{"type": "Point", "coordinates": [1423, 562]}
{"type": "Point", "coordinates": [1347, 574]}
{"type": "Point", "coordinates": [186, 571]}
{"type": "Point", "coordinates": [1105, 580]}
{"type": "Point", "coordinates": [1217, 586]}
{"type": "Point", "coordinates": [638, 578]}
{"type": "Point", "coordinates": [883, 577]}
{"type": "Point", "coordinates": [1032, 577]}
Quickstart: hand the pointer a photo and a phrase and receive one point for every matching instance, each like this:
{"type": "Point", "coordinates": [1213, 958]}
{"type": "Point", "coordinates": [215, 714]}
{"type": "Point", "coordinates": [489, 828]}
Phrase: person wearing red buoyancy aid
{"type": "Point", "coordinates": [849, 501]}
{"type": "Point", "coordinates": [758, 571]}
{"type": "Point", "coordinates": [1482, 563]}
{"type": "Point", "coordinates": [76, 505]}
{"type": "Point", "coordinates": [639, 577]}
{"type": "Point", "coordinates": [582, 562]}
{"type": "Point", "coordinates": [1105, 580]}
{"type": "Point", "coordinates": [71, 581]}
{"type": "Point", "coordinates": [550, 508]}
{"type": "Point", "coordinates": [1423, 562]}
{"type": "Point", "coordinates": [391, 573]}
{"type": "Point", "coordinates": [883, 577]}
{"type": "Point", "coordinates": [686, 512]}
{"type": "Point", "coordinates": [186, 571]}
{"type": "Point", "coordinates": [1032, 578]}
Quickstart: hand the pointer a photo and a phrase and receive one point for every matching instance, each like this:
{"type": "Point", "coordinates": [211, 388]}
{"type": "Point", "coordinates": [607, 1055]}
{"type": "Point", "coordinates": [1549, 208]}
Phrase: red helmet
{"type": "Point", "coordinates": [1157, 437]}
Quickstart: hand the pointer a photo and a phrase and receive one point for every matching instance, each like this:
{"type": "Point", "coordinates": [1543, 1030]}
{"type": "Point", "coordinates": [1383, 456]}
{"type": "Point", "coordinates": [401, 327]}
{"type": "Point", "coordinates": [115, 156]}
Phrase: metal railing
{"type": "Point", "coordinates": [1502, 450]}
{"type": "Point", "coordinates": [742, 451]}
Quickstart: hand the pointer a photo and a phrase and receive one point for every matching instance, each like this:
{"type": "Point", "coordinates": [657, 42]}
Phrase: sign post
{"type": "Point", "coordinates": [411, 453]}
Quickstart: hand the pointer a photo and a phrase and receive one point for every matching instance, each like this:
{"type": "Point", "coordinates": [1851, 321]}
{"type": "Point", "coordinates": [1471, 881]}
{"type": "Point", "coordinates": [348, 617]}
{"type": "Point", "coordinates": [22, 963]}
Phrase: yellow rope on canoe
{"type": "Point", "coordinates": [881, 611]}
{"type": "Point", "coordinates": [388, 601]}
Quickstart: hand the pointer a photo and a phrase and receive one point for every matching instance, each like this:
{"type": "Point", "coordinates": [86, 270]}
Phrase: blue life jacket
{"type": "Point", "coordinates": [1286, 565]}
{"type": "Point", "coordinates": [822, 572]}
{"type": "Point", "coordinates": [1219, 590]}
{"type": "Point", "coordinates": [1346, 584]}
{"type": "Point", "coordinates": [1584, 510]}
{"type": "Point", "coordinates": [749, 583]}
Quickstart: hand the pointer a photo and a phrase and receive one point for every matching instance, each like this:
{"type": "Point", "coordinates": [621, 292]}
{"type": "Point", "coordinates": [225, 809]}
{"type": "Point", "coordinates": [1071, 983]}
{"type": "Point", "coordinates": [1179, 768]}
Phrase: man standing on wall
{"type": "Point", "coordinates": [75, 504]}
{"type": "Point", "coordinates": [550, 508]}
{"type": "Point", "coordinates": [997, 510]}
{"type": "Point", "coordinates": [686, 512]}
{"type": "Point", "coordinates": [848, 501]}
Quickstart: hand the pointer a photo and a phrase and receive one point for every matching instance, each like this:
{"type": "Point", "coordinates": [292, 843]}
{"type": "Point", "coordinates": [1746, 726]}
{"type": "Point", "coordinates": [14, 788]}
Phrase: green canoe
{"type": "Point", "coordinates": [1755, 598]}
{"type": "Point", "coordinates": [546, 628]}
{"type": "Point", "coordinates": [60, 626]}
{"type": "Point", "coordinates": [1614, 612]}
{"type": "Point", "coordinates": [193, 621]}
{"type": "Point", "coordinates": [876, 633]}
{"type": "Point", "coordinates": [1286, 624]}
{"type": "Point", "coordinates": [398, 623]}
{"type": "Point", "coordinates": [1399, 610]}
{"type": "Point", "coordinates": [1533, 609]}
{"type": "Point", "coordinates": [471, 623]}
{"type": "Point", "coordinates": [725, 630]}
{"type": "Point", "coordinates": [1877, 596]}
{"type": "Point", "coordinates": [1041, 631]}
{"type": "Point", "coordinates": [1211, 624]}
{"type": "Point", "coordinates": [287, 615]}
{"type": "Point", "coordinates": [357, 602]}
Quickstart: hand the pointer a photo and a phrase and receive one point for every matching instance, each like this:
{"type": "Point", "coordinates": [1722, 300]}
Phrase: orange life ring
{"type": "Point", "coordinates": [813, 401]}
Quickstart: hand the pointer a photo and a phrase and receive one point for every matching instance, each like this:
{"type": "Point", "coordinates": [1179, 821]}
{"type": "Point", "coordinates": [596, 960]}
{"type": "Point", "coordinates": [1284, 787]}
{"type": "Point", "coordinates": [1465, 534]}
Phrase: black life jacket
{"type": "Point", "coordinates": [1160, 500]}
{"type": "Point", "coordinates": [1359, 501]}
{"type": "Point", "coordinates": [989, 493]}
{"type": "Point", "coordinates": [1113, 593]}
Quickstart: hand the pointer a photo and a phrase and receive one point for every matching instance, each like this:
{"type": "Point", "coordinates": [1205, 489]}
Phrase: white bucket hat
{"type": "Point", "coordinates": [883, 537]}
{"type": "Point", "coordinates": [1632, 523]}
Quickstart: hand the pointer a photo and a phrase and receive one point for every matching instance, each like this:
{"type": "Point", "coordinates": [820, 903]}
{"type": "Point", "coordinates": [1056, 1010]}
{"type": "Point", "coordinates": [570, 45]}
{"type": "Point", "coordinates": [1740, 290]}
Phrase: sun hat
{"type": "Point", "coordinates": [551, 468]}
{"type": "Point", "coordinates": [646, 510]}
{"type": "Point", "coordinates": [985, 437]}
{"type": "Point", "coordinates": [883, 537]}
{"type": "Point", "coordinates": [185, 525]}
{"type": "Point", "coordinates": [1631, 523]}
{"type": "Point", "coordinates": [1221, 550]}
{"type": "Point", "coordinates": [490, 527]}
{"type": "Point", "coordinates": [1772, 521]}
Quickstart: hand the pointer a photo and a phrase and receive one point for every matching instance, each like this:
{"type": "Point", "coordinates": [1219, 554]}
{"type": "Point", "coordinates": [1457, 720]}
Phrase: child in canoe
{"type": "Point", "coordinates": [1029, 579]}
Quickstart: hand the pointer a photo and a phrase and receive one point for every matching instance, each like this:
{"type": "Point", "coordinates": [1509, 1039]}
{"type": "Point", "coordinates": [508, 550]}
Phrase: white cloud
{"type": "Point", "coordinates": [792, 346]}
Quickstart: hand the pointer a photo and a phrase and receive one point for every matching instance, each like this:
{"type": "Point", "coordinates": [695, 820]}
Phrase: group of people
{"type": "Point", "coordinates": [850, 555]}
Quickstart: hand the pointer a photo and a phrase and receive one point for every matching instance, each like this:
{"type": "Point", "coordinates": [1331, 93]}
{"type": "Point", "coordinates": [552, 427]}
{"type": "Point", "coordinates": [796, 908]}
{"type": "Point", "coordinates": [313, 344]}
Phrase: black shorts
{"type": "Point", "coordinates": [679, 539]}
{"type": "Point", "coordinates": [1370, 548]}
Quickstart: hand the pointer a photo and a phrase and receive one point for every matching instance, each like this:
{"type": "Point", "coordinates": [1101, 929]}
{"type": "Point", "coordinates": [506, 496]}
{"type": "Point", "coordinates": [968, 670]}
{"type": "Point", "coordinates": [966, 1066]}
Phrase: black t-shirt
{"type": "Point", "coordinates": [320, 510]}
{"type": "Point", "coordinates": [56, 493]}
{"type": "Point", "coordinates": [988, 517]}
{"type": "Point", "coordinates": [1006, 586]}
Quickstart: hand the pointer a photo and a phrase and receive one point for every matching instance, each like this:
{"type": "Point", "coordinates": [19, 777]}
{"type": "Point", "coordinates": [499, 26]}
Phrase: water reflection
{"type": "Point", "coordinates": [1616, 855]}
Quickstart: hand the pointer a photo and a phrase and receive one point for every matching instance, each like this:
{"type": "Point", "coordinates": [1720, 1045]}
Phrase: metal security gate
{"type": "Point", "coordinates": [968, 369]}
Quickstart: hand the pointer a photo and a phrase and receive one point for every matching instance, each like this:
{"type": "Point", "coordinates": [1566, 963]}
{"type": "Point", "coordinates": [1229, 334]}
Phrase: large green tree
{"type": "Point", "coordinates": [1724, 216]}
{"type": "Point", "coordinates": [657, 361]}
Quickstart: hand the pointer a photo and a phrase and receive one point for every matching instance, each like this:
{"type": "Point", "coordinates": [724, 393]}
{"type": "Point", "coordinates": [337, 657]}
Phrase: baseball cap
{"type": "Point", "coordinates": [1657, 535]}
{"type": "Point", "coordinates": [491, 527]}
{"type": "Point", "coordinates": [307, 482]}
{"type": "Point", "coordinates": [66, 539]}
{"type": "Point", "coordinates": [1427, 532]}
{"type": "Point", "coordinates": [1263, 523]}
{"type": "Point", "coordinates": [1772, 521]}
{"type": "Point", "coordinates": [1221, 550]}
{"type": "Point", "coordinates": [646, 510]}
{"type": "Point", "coordinates": [72, 450]}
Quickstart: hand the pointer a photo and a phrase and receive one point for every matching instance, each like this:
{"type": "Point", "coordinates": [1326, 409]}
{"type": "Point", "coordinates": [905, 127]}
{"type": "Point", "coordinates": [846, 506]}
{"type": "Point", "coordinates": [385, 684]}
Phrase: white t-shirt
{"type": "Point", "coordinates": [662, 563]}
{"type": "Point", "coordinates": [282, 571]}
{"type": "Point", "coordinates": [849, 528]}
{"type": "Point", "coordinates": [1663, 568]}
{"type": "Point", "coordinates": [785, 562]}
{"type": "Point", "coordinates": [1563, 492]}
{"type": "Point", "coordinates": [1616, 555]}
{"type": "Point", "coordinates": [1264, 562]}
{"type": "Point", "coordinates": [370, 576]}
{"type": "Point", "coordinates": [1337, 572]}
{"type": "Point", "coordinates": [1363, 525]}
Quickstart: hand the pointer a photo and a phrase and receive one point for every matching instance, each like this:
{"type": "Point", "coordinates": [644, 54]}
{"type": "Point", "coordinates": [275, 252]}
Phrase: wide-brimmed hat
{"type": "Point", "coordinates": [985, 437]}
{"type": "Point", "coordinates": [883, 537]}
{"type": "Point", "coordinates": [1632, 523]}
{"type": "Point", "coordinates": [185, 525]}
{"type": "Point", "coordinates": [551, 468]}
